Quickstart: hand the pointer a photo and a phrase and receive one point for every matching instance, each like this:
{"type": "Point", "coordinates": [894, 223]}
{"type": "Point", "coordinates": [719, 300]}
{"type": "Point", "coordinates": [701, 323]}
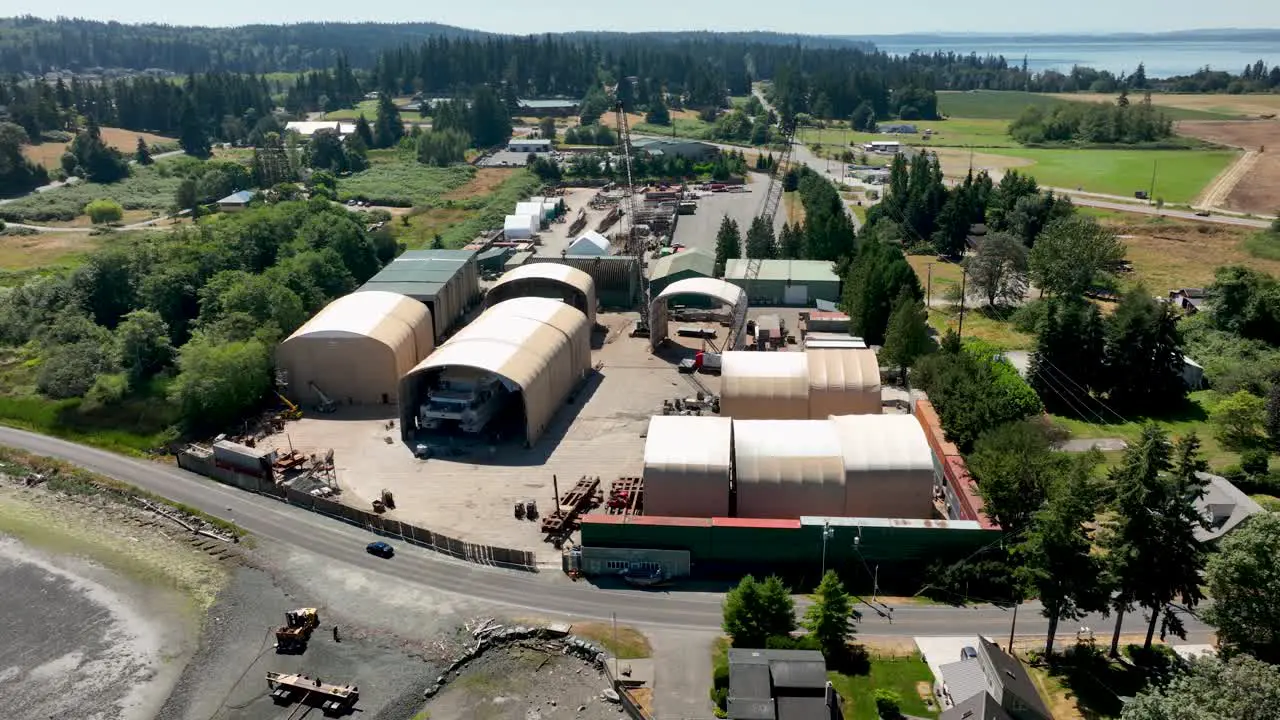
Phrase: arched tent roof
{"type": "Point", "coordinates": [539, 345]}
{"type": "Point", "coordinates": [731, 296]}
{"type": "Point", "coordinates": [788, 468]}
{"type": "Point", "coordinates": [764, 385]}
{"type": "Point", "coordinates": [686, 466]}
{"type": "Point", "coordinates": [843, 381]}
{"type": "Point", "coordinates": [539, 279]}
{"type": "Point", "coordinates": [888, 466]}
{"type": "Point", "coordinates": [357, 348]}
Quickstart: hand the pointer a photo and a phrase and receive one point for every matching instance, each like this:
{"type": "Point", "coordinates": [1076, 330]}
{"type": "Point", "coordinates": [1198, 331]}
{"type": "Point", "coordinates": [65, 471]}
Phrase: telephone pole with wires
{"type": "Point", "coordinates": [963, 277]}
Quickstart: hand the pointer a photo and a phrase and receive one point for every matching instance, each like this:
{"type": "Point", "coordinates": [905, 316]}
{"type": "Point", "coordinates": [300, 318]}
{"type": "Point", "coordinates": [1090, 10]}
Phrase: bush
{"type": "Point", "coordinates": [104, 211]}
{"type": "Point", "coordinates": [720, 698]}
{"type": "Point", "coordinates": [1027, 318]}
{"type": "Point", "coordinates": [1254, 462]}
{"type": "Point", "coordinates": [147, 188]}
{"type": "Point", "coordinates": [888, 703]}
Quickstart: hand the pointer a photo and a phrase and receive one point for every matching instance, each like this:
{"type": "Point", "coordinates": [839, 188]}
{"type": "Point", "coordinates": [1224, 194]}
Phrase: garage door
{"type": "Point", "coordinates": [795, 295]}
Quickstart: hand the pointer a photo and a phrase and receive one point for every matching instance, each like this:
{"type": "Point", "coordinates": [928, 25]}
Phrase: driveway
{"type": "Point", "coordinates": [682, 675]}
{"type": "Point", "coordinates": [941, 650]}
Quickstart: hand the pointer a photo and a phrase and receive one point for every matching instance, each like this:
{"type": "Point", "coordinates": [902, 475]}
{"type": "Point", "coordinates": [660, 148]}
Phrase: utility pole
{"type": "Point", "coordinates": [1151, 196]}
{"type": "Point", "coordinates": [1012, 625]}
{"type": "Point", "coordinates": [826, 535]}
{"type": "Point", "coordinates": [875, 584]}
{"type": "Point", "coordinates": [928, 292]}
{"type": "Point", "coordinates": [615, 645]}
{"type": "Point", "coordinates": [963, 277]}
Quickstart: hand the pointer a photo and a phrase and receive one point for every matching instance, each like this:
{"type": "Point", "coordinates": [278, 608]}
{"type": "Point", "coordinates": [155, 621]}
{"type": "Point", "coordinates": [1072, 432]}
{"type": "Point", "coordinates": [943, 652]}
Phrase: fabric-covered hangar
{"type": "Point", "coordinates": [547, 280]}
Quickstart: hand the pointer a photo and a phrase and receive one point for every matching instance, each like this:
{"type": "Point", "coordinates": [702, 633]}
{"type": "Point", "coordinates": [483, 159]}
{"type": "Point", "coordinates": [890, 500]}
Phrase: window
{"type": "Point", "coordinates": [616, 564]}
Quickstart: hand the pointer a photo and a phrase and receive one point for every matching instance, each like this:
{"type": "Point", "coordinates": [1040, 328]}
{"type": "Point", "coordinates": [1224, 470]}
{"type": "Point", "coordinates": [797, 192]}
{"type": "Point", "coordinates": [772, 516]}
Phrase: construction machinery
{"type": "Point", "coordinates": [333, 700]}
{"type": "Point", "coordinates": [327, 404]}
{"type": "Point", "coordinates": [293, 412]}
{"type": "Point", "coordinates": [296, 631]}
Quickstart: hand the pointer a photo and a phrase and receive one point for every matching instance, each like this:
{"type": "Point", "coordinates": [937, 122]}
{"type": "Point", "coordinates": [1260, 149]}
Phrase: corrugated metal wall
{"type": "Point", "coordinates": [617, 279]}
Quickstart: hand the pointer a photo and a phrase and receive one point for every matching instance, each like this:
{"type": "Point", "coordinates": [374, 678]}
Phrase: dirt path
{"type": "Point", "coordinates": [1216, 194]}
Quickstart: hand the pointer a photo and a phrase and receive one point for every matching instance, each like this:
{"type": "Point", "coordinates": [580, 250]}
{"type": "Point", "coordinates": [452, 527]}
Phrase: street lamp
{"type": "Point", "coordinates": [827, 532]}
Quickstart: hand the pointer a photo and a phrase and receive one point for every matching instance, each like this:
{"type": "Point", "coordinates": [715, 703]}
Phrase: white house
{"type": "Point", "coordinates": [308, 128]}
{"type": "Point", "coordinates": [589, 243]}
{"type": "Point", "coordinates": [519, 227]}
{"type": "Point", "coordinates": [529, 145]}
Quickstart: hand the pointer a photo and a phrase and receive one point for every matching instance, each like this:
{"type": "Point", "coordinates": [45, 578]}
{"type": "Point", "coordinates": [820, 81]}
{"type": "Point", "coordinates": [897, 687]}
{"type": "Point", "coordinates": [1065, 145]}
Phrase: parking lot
{"type": "Point", "coordinates": [471, 496]}
{"type": "Point", "coordinates": [699, 230]}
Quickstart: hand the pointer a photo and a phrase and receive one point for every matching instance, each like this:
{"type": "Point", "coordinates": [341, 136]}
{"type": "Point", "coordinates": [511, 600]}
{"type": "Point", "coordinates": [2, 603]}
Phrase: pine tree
{"type": "Point", "coordinates": [828, 618]}
{"type": "Point", "coordinates": [907, 338]}
{"type": "Point", "coordinates": [142, 155]}
{"type": "Point", "coordinates": [791, 242]}
{"type": "Point", "coordinates": [1068, 359]}
{"type": "Point", "coordinates": [1273, 414]}
{"type": "Point", "coordinates": [728, 244]}
{"type": "Point", "coordinates": [363, 131]}
{"type": "Point", "coordinates": [192, 135]}
{"type": "Point", "coordinates": [756, 611]}
{"type": "Point", "coordinates": [760, 240]}
{"type": "Point", "coordinates": [387, 127]}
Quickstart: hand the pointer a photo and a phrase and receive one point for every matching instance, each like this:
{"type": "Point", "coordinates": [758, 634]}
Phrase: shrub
{"type": "Point", "coordinates": [720, 697]}
{"type": "Point", "coordinates": [888, 703]}
{"type": "Point", "coordinates": [104, 211]}
{"type": "Point", "coordinates": [1254, 462]}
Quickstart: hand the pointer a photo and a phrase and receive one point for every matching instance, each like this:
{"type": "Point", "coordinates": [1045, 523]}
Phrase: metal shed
{"type": "Point", "coordinates": [843, 382]}
{"type": "Point", "coordinates": [888, 466]}
{"type": "Point", "coordinates": [764, 385]}
{"type": "Point", "coordinates": [796, 283]}
{"type": "Point", "coordinates": [547, 280]}
{"type": "Point", "coordinates": [788, 468]}
{"type": "Point", "coordinates": [356, 349]}
{"type": "Point", "coordinates": [539, 347]}
{"type": "Point", "coordinates": [683, 265]}
{"type": "Point", "coordinates": [686, 466]}
{"type": "Point", "coordinates": [446, 281]}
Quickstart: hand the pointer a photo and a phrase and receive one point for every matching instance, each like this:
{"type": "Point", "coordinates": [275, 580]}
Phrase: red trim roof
{"type": "Point", "coordinates": [771, 523]}
{"type": "Point", "coordinates": [668, 521]}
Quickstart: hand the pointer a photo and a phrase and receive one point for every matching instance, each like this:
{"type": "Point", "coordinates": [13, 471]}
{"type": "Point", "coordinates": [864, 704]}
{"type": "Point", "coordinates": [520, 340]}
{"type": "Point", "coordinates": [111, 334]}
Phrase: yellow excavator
{"type": "Point", "coordinates": [296, 631]}
{"type": "Point", "coordinates": [294, 412]}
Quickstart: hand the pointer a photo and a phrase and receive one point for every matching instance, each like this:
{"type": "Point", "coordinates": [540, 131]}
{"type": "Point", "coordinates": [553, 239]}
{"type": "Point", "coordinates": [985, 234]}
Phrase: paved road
{"type": "Point", "coordinates": [546, 593]}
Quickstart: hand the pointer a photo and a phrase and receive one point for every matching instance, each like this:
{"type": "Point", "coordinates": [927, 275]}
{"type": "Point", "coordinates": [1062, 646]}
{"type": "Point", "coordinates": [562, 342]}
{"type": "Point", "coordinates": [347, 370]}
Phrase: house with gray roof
{"type": "Point", "coordinates": [780, 685]}
{"type": "Point", "coordinates": [979, 707]}
{"type": "Point", "coordinates": [1224, 505]}
{"type": "Point", "coordinates": [997, 674]}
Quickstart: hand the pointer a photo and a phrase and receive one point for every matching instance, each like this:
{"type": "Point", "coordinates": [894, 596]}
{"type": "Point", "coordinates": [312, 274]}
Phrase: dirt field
{"type": "Point", "coordinates": [1258, 189]}
{"type": "Point", "coordinates": [484, 183]}
{"type": "Point", "coordinates": [50, 154]}
{"type": "Point", "coordinates": [524, 683]}
{"type": "Point", "coordinates": [470, 495]}
{"type": "Point", "coordinates": [1247, 105]}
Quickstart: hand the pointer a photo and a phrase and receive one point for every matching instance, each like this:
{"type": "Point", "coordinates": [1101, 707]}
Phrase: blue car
{"type": "Point", "coordinates": [380, 549]}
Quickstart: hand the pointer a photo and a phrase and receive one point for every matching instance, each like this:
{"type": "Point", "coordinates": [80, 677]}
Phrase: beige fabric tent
{"type": "Point", "coordinates": [730, 297]}
{"type": "Point", "coordinates": [686, 466]}
{"type": "Point", "coordinates": [356, 349]}
{"type": "Point", "coordinates": [540, 347]}
{"type": "Point", "coordinates": [788, 468]}
{"type": "Point", "coordinates": [843, 382]}
{"type": "Point", "coordinates": [764, 385]}
{"type": "Point", "coordinates": [888, 466]}
{"type": "Point", "coordinates": [548, 280]}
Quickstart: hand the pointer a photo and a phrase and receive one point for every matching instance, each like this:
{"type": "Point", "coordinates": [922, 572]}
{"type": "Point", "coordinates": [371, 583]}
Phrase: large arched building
{"type": "Point", "coordinates": [547, 280]}
{"type": "Point", "coordinates": [355, 350]}
{"type": "Point", "coordinates": [731, 299]}
{"type": "Point", "coordinates": [525, 355]}
{"type": "Point", "coordinates": [813, 384]}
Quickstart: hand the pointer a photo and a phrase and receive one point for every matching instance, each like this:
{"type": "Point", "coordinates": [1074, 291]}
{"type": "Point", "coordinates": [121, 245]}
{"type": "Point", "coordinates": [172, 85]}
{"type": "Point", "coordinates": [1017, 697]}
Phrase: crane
{"type": "Point", "coordinates": [632, 243]}
{"type": "Point", "coordinates": [768, 211]}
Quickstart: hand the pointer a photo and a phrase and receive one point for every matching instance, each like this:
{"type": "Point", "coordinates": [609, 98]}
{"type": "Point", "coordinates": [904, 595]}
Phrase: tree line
{"type": "Point", "coordinates": [1096, 123]}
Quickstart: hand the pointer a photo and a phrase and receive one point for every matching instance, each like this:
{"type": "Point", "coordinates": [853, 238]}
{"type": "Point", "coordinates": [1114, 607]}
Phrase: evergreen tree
{"type": "Point", "coordinates": [1272, 421]}
{"type": "Point", "coordinates": [193, 137]}
{"type": "Point", "coordinates": [364, 132]}
{"type": "Point", "coordinates": [490, 123]}
{"type": "Point", "coordinates": [96, 161]}
{"type": "Point", "coordinates": [388, 128]}
{"type": "Point", "coordinates": [1144, 354]}
{"type": "Point", "coordinates": [1014, 468]}
{"type": "Point", "coordinates": [828, 618]}
{"type": "Point", "coordinates": [875, 279]}
{"type": "Point", "coordinates": [1068, 359]}
{"type": "Point", "coordinates": [1153, 555]}
{"type": "Point", "coordinates": [728, 244]}
{"type": "Point", "coordinates": [791, 242]}
{"type": "Point", "coordinates": [658, 114]}
{"type": "Point", "coordinates": [142, 155]}
{"type": "Point", "coordinates": [760, 239]}
{"type": "Point", "coordinates": [756, 611]}
{"type": "Point", "coordinates": [907, 337]}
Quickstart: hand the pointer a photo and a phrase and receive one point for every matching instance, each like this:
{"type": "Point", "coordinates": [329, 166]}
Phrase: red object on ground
{"type": "Point", "coordinates": [697, 360]}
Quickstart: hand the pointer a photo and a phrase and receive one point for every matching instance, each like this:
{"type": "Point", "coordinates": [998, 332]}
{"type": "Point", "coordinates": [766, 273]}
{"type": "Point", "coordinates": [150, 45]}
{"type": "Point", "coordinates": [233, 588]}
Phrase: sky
{"type": "Point", "coordinates": [829, 17]}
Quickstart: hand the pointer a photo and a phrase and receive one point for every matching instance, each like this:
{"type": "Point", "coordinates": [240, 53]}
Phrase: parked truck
{"type": "Point", "coordinates": [463, 398]}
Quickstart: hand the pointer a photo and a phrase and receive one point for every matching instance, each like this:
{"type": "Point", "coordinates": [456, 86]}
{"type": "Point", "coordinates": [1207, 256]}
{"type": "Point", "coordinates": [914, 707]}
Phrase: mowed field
{"type": "Point", "coordinates": [49, 154]}
{"type": "Point", "coordinates": [1008, 104]}
{"type": "Point", "coordinates": [1258, 190]}
{"type": "Point", "coordinates": [1233, 106]}
{"type": "Point", "coordinates": [1180, 174]}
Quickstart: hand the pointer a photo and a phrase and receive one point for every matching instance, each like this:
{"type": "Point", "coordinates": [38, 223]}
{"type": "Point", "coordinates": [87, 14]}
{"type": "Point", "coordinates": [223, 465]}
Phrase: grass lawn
{"type": "Point", "coordinates": [980, 323]}
{"type": "Point", "coordinates": [631, 643]}
{"type": "Point", "coordinates": [1192, 417]}
{"type": "Point", "coordinates": [691, 127]}
{"type": "Point", "coordinates": [368, 107]}
{"type": "Point", "coordinates": [398, 179]}
{"type": "Point", "coordinates": [1180, 174]}
{"type": "Point", "coordinates": [45, 250]}
{"type": "Point", "coordinates": [902, 675]}
{"type": "Point", "coordinates": [944, 274]}
{"type": "Point", "coordinates": [980, 132]}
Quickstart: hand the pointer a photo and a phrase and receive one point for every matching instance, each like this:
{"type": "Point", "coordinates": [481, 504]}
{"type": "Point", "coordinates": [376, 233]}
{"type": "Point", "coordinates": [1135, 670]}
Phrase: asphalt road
{"type": "Point", "coordinates": [548, 593]}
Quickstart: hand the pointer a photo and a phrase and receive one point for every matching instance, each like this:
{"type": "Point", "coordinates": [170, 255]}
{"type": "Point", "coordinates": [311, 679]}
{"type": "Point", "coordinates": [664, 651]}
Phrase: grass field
{"type": "Point", "coordinates": [979, 132]}
{"type": "Point", "coordinates": [458, 216]}
{"type": "Point", "coordinates": [45, 250]}
{"type": "Point", "coordinates": [1218, 106]}
{"type": "Point", "coordinates": [146, 189]}
{"type": "Point", "coordinates": [1168, 254]}
{"type": "Point", "coordinates": [368, 107]}
{"type": "Point", "coordinates": [49, 154]}
{"type": "Point", "coordinates": [1193, 417]}
{"type": "Point", "coordinates": [1180, 174]}
{"type": "Point", "coordinates": [902, 675]}
{"type": "Point", "coordinates": [399, 180]}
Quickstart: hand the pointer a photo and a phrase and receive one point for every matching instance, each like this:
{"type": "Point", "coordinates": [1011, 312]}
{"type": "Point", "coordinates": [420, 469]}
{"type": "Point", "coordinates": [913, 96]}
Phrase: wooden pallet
{"type": "Point", "coordinates": [564, 518]}
{"type": "Point", "coordinates": [633, 489]}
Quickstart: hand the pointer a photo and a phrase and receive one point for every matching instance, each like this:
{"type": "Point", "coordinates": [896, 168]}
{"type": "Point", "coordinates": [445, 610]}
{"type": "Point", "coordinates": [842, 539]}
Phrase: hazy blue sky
{"type": "Point", "coordinates": [803, 16]}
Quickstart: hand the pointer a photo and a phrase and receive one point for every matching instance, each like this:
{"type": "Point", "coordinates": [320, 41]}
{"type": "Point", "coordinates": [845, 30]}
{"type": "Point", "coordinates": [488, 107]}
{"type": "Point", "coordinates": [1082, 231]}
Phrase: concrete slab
{"type": "Point", "coordinates": [942, 650]}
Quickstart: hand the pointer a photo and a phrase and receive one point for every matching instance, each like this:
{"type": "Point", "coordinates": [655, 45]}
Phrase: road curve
{"type": "Point", "coordinates": [545, 593]}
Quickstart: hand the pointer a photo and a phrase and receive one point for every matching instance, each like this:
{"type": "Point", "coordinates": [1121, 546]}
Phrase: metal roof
{"type": "Point", "coordinates": [979, 707]}
{"type": "Point", "coordinates": [528, 141]}
{"type": "Point", "coordinates": [764, 385]}
{"type": "Point", "coordinates": [419, 273]}
{"type": "Point", "coordinates": [718, 289]}
{"type": "Point", "coordinates": [241, 197]}
{"type": "Point", "coordinates": [307, 128]}
{"type": "Point", "coordinates": [1013, 677]}
{"type": "Point", "coordinates": [963, 679]}
{"type": "Point", "coordinates": [549, 103]}
{"type": "Point", "coordinates": [1225, 506]}
{"type": "Point", "coordinates": [388, 317]}
{"type": "Point", "coordinates": [784, 270]}
{"type": "Point", "coordinates": [695, 260]}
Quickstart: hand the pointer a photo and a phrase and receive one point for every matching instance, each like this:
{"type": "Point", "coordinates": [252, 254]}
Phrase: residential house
{"type": "Point", "coordinates": [979, 707]}
{"type": "Point", "coordinates": [1188, 300]}
{"type": "Point", "coordinates": [1224, 505]}
{"type": "Point", "coordinates": [552, 107]}
{"type": "Point", "coordinates": [236, 201]}
{"type": "Point", "coordinates": [676, 147]}
{"type": "Point", "coordinates": [993, 672]}
{"type": "Point", "coordinates": [780, 685]}
{"type": "Point", "coordinates": [307, 128]}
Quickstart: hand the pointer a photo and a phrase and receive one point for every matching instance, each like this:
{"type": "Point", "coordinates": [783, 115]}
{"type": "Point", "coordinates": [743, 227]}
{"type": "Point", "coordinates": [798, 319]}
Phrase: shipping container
{"type": "Point", "coordinates": [242, 457]}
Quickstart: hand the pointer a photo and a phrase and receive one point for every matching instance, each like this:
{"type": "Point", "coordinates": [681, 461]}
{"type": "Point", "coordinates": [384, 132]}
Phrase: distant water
{"type": "Point", "coordinates": [1161, 58]}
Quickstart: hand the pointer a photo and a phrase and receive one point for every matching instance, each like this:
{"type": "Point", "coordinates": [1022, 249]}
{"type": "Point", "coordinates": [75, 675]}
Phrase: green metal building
{"type": "Point", "coordinates": [795, 283]}
{"type": "Point", "coordinates": [446, 281]}
{"type": "Point", "coordinates": [681, 266]}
